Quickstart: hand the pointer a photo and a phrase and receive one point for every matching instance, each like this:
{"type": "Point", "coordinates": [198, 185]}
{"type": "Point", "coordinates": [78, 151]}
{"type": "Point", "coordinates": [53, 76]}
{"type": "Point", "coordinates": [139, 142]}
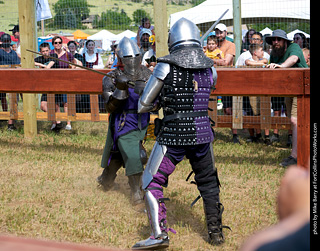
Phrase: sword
{"type": "Point", "coordinates": [212, 27]}
{"type": "Point", "coordinates": [80, 66]}
{"type": "Point", "coordinates": [67, 62]}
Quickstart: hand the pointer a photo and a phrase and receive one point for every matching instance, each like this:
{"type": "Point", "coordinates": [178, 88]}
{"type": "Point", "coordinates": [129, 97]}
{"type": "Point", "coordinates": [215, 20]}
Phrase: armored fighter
{"type": "Point", "coordinates": [127, 128]}
{"type": "Point", "coordinates": [181, 83]}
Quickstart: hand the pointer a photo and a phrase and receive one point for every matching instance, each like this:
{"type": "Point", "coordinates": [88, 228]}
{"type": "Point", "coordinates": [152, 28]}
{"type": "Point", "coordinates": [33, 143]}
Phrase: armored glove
{"type": "Point", "coordinates": [122, 82]}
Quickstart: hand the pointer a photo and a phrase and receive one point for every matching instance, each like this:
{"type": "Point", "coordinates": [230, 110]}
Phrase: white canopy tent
{"type": "Point", "coordinates": [291, 34]}
{"type": "Point", "coordinates": [126, 33]}
{"type": "Point", "coordinates": [106, 38]}
{"type": "Point", "coordinates": [251, 11]}
{"type": "Point", "coordinates": [265, 31]}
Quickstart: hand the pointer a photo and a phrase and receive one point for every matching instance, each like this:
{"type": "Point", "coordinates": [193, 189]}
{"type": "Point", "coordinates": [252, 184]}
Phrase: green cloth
{"type": "Point", "coordinates": [293, 49]}
{"type": "Point", "coordinates": [128, 145]}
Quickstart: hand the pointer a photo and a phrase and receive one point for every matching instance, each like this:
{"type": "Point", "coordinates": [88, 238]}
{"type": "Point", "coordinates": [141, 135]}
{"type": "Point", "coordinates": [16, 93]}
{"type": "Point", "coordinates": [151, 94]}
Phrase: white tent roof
{"type": "Point", "coordinates": [106, 37]}
{"type": "Point", "coordinates": [265, 31]}
{"type": "Point", "coordinates": [126, 33]}
{"type": "Point", "coordinates": [211, 10]}
{"type": "Point", "coordinates": [291, 34]}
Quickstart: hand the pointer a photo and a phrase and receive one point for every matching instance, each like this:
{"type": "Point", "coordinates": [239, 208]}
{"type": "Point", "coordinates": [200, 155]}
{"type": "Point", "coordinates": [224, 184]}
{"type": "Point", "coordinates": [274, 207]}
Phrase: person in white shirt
{"type": "Point", "coordinates": [91, 56]}
{"type": "Point", "coordinates": [255, 39]}
{"type": "Point", "coordinates": [147, 49]}
{"type": "Point", "coordinates": [255, 57]}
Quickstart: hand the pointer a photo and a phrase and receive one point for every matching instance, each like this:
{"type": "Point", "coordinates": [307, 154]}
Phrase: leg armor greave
{"type": "Point", "coordinates": [152, 206]}
{"type": "Point", "coordinates": [154, 197]}
{"type": "Point", "coordinates": [155, 177]}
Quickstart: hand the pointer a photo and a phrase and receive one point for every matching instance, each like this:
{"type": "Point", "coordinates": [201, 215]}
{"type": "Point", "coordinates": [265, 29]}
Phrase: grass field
{"type": "Point", "coordinates": [48, 190]}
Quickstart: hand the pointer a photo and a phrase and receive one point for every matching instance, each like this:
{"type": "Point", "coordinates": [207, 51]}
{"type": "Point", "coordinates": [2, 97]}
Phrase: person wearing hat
{"type": "Point", "coordinates": [16, 34]}
{"type": "Point", "coordinates": [286, 54]}
{"type": "Point", "coordinates": [147, 49]}
{"type": "Point", "coordinates": [227, 47]}
{"type": "Point", "coordinates": [7, 57]}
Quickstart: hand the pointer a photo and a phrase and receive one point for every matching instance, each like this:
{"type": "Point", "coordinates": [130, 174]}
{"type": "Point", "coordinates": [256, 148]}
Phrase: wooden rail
{"type": "Point", "coordinates": [231, 82]}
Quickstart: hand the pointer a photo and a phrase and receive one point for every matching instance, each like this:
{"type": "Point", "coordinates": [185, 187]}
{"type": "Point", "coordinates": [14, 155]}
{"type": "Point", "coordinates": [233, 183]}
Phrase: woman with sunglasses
{"type": "Point", "coordinates": [66, 56]}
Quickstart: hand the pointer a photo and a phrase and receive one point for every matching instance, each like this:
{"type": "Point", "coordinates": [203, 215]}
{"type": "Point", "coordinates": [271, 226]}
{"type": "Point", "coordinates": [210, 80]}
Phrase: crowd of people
{"type": "Point", "coordinates": [89, 56]}
{"type": "Point", "coordinates": [273, 51]}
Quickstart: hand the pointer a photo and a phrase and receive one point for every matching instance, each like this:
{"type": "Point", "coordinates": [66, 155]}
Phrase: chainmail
{"type": "Point", "coordinates": [188, 57]}
{"type": "Point", "coordinates": [143, 74]}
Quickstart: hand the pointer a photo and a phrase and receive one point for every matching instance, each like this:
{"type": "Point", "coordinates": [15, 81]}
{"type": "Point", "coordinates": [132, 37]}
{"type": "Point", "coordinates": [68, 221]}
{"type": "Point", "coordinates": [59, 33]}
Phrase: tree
{"type": "Point", "coordinates": [115, 20]}
{"type": "Point", "coordinates": [70, 13]}
{"type": "Point", "coordinates": [138, 15]}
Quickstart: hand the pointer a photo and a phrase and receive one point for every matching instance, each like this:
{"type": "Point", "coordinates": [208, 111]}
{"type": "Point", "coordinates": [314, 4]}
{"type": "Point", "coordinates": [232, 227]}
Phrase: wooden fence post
{"type": "Point", "coordinates": [161, 30]}
{"type": "Point", "coordinates": [28, 36]}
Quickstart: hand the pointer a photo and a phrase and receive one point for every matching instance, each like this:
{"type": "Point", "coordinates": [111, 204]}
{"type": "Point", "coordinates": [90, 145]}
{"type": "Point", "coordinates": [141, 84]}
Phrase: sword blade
{"type": "Point", "coordinates": [212, 27]}
{"type": "Point", "coordinates": [67, 62]}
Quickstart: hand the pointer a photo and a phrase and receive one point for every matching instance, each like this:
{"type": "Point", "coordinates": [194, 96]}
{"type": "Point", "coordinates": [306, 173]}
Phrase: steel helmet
{"type": "Point", "coordinates": [129, 54]}
{"type": "Point", "coordinates": [183, 33]}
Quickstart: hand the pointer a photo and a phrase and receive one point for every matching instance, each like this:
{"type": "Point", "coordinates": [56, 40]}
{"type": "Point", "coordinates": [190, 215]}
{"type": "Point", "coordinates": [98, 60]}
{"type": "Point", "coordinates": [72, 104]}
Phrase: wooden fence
{"type": "Point", "coordinates": [231, 82]}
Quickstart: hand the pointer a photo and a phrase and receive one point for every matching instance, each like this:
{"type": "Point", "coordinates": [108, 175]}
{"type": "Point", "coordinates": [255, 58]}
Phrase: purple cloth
{"type": "Point", "coordinates": [166, 168]}
{"type": "Point", "coordinates": [159, 180]}
{"type": "Point", "coordinates": [203, 128]}
{"type": "Point", "coordinates": [64, 57]}
{"type": "Point", "coordinates": [128, 120]}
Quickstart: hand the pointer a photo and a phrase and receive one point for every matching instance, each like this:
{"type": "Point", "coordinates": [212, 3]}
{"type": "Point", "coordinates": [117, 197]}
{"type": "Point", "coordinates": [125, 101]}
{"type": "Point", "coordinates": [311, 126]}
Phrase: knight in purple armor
{"type": "Point", "coordinates": [127, 128]}
{"type": "Point", "coordinates": [181, 84]}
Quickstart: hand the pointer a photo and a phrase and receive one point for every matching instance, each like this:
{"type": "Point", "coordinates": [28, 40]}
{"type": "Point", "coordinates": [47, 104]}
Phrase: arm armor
{"type": "Point", "coordinates": [214, 76]}
{"type": "Point", "coordinates": [113, 97]}
{"type": "Point", "coordinates": [153, 88]}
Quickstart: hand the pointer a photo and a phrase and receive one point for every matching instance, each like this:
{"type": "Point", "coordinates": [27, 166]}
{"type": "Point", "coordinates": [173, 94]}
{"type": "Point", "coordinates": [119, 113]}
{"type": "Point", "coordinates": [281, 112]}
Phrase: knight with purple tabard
{"type": "Point", "coordinates": [181, 84]}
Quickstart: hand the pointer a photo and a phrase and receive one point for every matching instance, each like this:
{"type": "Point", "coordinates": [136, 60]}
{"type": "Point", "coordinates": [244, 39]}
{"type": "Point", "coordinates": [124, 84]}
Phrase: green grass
{"type": "Point", "coordinates": [48, 190]}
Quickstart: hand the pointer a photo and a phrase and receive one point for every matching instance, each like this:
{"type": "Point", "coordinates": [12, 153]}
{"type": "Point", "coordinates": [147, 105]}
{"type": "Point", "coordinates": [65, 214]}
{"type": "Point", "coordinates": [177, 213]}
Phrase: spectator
{"type": "Point", "coordinates": [300, 39]}
{"type": "Point", "coordinates": [7, 57]}
{"type": "Point", "coordinates": [229, 50]}
{"type": "Point", "coordinates": [92, 59]}
{"type": "Point", "coordinates": [251, 58]}
{"type": "Point", "coordinates": [47, 63]}
{"type": "Point", "coordinates": [66, 56]}
{"type": "Point", "coordinates": [147, 49]}
{"type": "Point", "coordinates": [43, 61]}
{"type": "Point", "coordinates": [256, 38]}
{"type": "Point", "coordinates": [293, 230]}
{"type": "Point", "coordinates": [112, 59]}
{"type": "Point", "coordinates": [287, 55]}
{"type": "Point", "coordinates": [266, 47]}
{"type": "Point", "coordinates": [62, 53]}
{"type": "Point", "coordinates": [212, 50]}
{"type": "Point", "coordinates": [306, 54]}
{"type": "Point", "coordinates": [72, 46]}
{"type": "Point", "coordinates": [16, 34]}
{"type": "Point", "coordinates": [145, 23]}
{"type": "Point", "coordinates": [257, 59]}
{"type": "Point", "coordinates": [247, 42]}
{"type": "Point", "coordinates": [14, 46]}
{"type": "Point", "coordinates": [81, 99]}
